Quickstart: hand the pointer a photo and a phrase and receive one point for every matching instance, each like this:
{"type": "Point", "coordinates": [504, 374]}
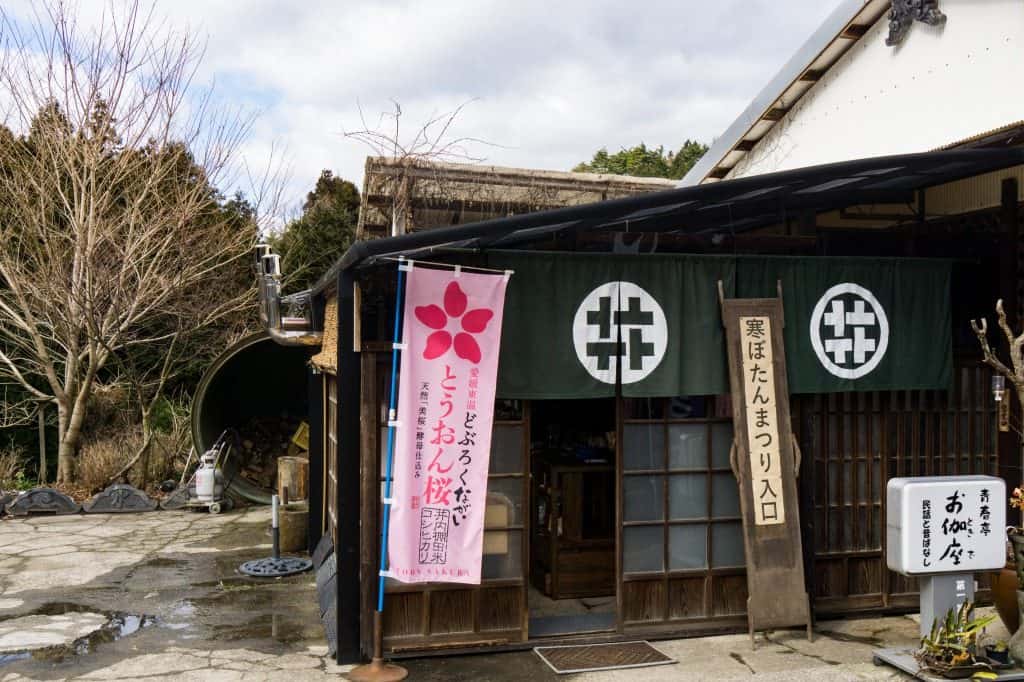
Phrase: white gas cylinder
{"type": "Point", "coordinates": [206, 479]}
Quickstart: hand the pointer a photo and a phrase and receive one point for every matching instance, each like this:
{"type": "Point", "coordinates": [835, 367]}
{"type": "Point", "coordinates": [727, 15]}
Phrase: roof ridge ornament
{"type": "Point", "coordinates": [905, 12]}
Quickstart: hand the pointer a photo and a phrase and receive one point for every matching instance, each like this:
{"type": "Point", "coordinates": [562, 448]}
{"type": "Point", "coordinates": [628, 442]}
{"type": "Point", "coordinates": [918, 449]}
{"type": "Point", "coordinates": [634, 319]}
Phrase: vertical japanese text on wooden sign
{"type": "Point", "coordinates": [762, 420]}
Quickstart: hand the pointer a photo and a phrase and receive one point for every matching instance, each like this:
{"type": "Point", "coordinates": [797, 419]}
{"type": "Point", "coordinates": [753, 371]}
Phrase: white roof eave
{"type": "Point", "coordinates": [825, 35]}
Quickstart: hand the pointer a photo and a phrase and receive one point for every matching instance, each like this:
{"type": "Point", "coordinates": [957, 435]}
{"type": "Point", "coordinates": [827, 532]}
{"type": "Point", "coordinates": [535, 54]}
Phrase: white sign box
{"type": "Point", "coordinates": [945, 524]}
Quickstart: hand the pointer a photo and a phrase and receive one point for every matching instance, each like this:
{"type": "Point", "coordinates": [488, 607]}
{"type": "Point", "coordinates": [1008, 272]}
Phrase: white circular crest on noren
{"type": "Point", "coordinates": [849, 331]}
{"type": "Point", "coordinates": [617, 310]}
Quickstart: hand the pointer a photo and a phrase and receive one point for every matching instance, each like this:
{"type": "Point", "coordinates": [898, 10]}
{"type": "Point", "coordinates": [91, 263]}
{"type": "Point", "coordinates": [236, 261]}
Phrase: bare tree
{"type": "Point", "coordinates": [431, 142]}
{"type": "Point", "coordinates": [1014, 372]}
{"type": "Point", "coordinates": [108, 216]}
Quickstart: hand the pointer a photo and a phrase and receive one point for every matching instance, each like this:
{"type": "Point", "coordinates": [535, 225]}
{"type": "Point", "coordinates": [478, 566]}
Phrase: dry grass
{"type": "Point", "coordinates": [102, 457]}
{"type": "Point", "coordinates": [11, 458]}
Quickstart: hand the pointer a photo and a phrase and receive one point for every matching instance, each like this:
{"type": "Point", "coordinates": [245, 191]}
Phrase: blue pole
{"type": "Point", "coordinates": [391, 439]}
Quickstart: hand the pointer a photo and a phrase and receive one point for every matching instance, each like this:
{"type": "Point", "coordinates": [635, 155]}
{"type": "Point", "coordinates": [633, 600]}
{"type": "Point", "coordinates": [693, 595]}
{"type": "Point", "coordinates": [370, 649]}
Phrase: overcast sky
{"type": "Point", "coordinates": [552, 81]}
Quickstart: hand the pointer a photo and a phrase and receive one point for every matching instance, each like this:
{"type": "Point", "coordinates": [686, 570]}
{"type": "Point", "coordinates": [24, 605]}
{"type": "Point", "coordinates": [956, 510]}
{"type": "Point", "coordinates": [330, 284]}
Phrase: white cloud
{"type": "Point", "coordinates": [555, 79]}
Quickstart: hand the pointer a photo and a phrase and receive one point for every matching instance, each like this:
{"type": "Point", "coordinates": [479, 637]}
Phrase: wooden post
{"type": "Point", "coordinates": [42, 443]}
{"type": "Point", "coordinates": [1009, 448]}
{"type": "Point", "coordinates": [347, 466]}
{"type": "Point", "coordinates": [368, 496]}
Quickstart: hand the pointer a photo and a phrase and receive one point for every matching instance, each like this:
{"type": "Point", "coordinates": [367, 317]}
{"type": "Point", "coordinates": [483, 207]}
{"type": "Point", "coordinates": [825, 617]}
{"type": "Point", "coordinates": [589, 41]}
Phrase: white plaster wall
{"type": "Point", "coordinates": [943, 84]}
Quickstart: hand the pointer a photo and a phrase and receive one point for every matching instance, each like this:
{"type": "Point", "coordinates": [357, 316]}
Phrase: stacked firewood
{"type": "Point", "coordinates": [263, 440]}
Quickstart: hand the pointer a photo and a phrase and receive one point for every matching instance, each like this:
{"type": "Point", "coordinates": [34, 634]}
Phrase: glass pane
{"type": "Point", "coordinates": [643, 446]}
{"type": "Point", "coordinates": [643, 408]}
{"type": "Point", "coordinates": [725, 496]}
{"type": "Point", "coordinates": [503, 554]}
{"type": "Point", "coordinates": [687, 546]}
{"type": "Point", "coordinates": [644, 498]}
{"type": "Point", "coordinates": [727, 545]}
{"type": "Point", "coordinates": [688, 446]}
{"type": "Point", "coordinates": [721, 443]}
{"type": "Point", "coordinates": [687, 407]}
{"type": "Point", "coordinates": [688, 496]}
{"type": "Point", "coordinates": [643, 549]}
{"type": "Point", "coordinates": [507, 450]}
{"type": "Point", "coordinates": [508, 410]}
{"type": "Point", "coordinates": [504, 502]}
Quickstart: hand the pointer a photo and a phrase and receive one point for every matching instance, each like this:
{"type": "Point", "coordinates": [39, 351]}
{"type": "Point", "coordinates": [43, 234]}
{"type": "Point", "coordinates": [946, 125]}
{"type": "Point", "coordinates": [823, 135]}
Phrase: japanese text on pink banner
{"type": "Point", "coordinates": [451, 337]}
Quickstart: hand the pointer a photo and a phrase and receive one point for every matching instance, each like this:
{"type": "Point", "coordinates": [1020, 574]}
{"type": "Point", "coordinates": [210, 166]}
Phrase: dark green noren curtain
{"type": "Point", "coordinates": [576, 325]}
{"type": "Point", "coordinates": [858, 324]}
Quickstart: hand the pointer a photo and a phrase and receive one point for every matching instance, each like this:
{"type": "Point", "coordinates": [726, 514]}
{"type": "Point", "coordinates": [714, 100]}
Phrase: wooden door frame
{"type": "Point", "coordinates": [619, 471]}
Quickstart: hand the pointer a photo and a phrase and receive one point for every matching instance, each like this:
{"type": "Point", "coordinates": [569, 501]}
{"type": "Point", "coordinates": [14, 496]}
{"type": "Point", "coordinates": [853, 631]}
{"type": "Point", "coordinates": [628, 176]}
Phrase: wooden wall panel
{"type": "Point", "coordinates": [864, 576]}
{"type": "Point", "coordinates": [404, 614]}
{"type": "Point", "coordinates": [856, 442]}
{"type": "Point", "coordinates": [500, 608]}
{"type": "Point", "coordinates": [830, 577]}
{"type": "Point", "coordinates": [686, 597]}
{"type": "Point", "coordinates": [643, 601]}
{"type": "Point", "coordinates": [728, 595]}
{"type": "Point", "coordinates": [451, 611]}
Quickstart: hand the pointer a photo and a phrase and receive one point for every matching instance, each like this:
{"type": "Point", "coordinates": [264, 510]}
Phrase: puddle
{"type": "Point", "coordinates": [163, 562]}
{"type": "Point", "coordinates": [117, 626]}
{"type": "Point", "coordinates": [268, 626]}
{"type": "Point", "coordinates": [179, 617]}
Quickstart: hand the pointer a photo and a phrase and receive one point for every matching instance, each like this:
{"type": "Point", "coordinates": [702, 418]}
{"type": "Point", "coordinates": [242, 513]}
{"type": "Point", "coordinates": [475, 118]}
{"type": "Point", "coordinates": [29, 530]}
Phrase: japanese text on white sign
{"type": "Point", "coordinates": [762, 420]}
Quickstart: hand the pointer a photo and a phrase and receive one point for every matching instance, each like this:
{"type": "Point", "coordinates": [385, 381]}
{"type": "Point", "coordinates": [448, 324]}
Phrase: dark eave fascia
{"type": "Point", "coordinates": [813, 188]}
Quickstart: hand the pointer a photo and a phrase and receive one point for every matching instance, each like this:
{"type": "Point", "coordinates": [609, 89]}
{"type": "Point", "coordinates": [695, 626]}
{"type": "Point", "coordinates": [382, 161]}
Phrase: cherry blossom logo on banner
{"type": "Point", "coordinates": [454, 314]}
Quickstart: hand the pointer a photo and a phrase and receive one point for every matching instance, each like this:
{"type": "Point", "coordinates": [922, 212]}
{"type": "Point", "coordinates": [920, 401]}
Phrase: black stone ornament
{"type": "Point", "coordinates": [905, 12]}
{"type": "Point", "coordinates": [119, 499]}
{"type": "Point", "coordinates": [6, 499]}
{"type": "Point", "coordinates": [176, 500]}
{"type": "Point", "coordinates": [42, 501]}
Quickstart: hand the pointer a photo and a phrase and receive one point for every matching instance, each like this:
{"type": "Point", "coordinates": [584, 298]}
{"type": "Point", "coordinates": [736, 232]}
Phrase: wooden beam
{"type": "Point", "coordinates": [532, 178]}
{"type": "Point", "coordinates": [812, 75]}
{"type": "Point", "coordinates": [774, 114]}
{"type": "Point", "coordinates": [854, 31]}
{"type": "Point", "coordinates": [745, 145]}
{"type": "Point", "coordinates": [1008, 449]}
{"type": "Point", "coordinates": [1010, 223]}
{"type": "Point", "coordinates": [369, 491]}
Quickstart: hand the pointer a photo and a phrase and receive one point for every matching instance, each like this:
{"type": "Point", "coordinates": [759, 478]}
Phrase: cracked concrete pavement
{"type": "Point", "coordinates": [171, 577]}
{"type": "Point", "coordinates": [172, 606]}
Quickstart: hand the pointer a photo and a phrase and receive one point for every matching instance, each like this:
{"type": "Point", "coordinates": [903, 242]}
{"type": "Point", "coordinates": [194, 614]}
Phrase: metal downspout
{"type": "Point", "coordinates": [295, 329]}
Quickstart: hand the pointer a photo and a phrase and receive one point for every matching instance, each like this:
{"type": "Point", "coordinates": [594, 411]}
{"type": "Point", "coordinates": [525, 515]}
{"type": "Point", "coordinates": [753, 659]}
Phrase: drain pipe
{"type": "Point", "coordinates": [296, 328]}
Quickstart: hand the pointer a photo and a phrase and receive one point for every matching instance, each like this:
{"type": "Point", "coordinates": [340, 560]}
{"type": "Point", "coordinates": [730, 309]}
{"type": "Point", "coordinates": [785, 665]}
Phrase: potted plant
{"type": "Point", "coordinates": [1015, 534]}
{"type": "Point", "coordinates": [1004, 586]}
{"type": "Point", "coordinates": [998, 652]}
{"type": "Point", "coordinates": [951, 648]}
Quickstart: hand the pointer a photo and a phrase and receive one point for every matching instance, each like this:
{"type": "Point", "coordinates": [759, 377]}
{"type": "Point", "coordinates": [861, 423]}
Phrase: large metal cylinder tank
{"type": "Point", "coordinates": [254, 379]}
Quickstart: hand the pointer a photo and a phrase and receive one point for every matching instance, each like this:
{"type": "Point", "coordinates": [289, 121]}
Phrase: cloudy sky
{"type": "Point", "coordinates": [550, 81]}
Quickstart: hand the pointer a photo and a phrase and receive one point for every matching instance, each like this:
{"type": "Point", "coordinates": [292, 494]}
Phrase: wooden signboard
{"type": "Point", "coordinates": [765, 460]}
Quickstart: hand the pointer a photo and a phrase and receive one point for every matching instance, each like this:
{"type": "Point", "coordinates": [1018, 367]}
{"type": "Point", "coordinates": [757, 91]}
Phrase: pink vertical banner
{"type": "Point", "coordinates": [451, 337]}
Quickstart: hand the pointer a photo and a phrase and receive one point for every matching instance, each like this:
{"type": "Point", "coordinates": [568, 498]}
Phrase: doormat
{"type": "Point", "coordinates": [591, 657]}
